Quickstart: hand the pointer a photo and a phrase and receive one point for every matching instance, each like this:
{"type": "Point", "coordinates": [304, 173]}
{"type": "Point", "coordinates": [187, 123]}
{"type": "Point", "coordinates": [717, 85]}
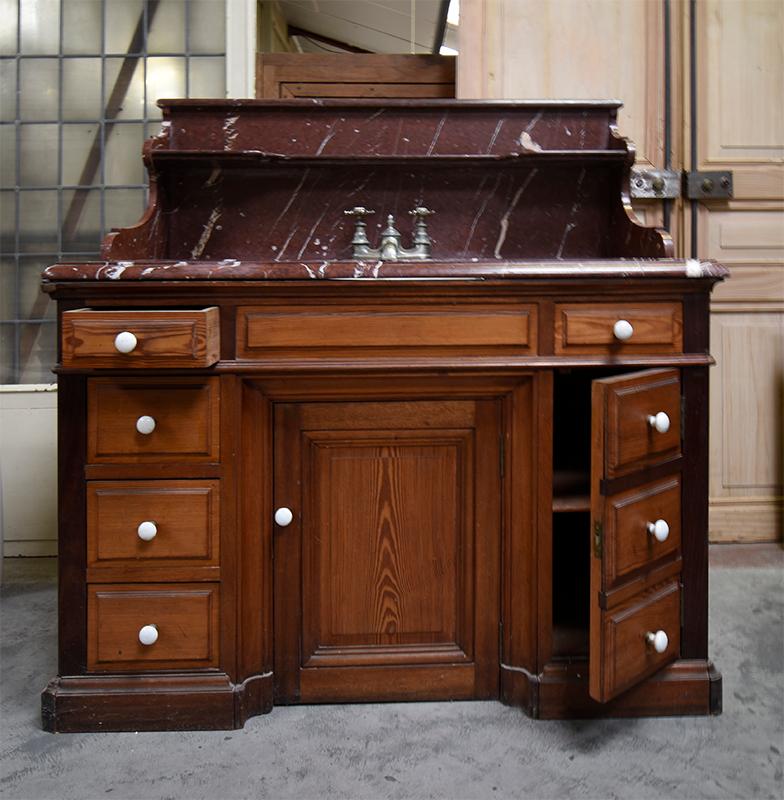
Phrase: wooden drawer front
{"type": "Point", "coordinates": [627, 657]}
{"type": "Point", "coordinates": [186, 617]}
{"type": "Point", "coordinates": [181, 516]}
{"type": "Point", "coordinates": [163, 338]}
{"type": "Point", "coordinates": [584, 328]}
{"type": "Point", "coordinates": [185, 412]}
{"type": "Point", "coordinates": [632, 441]}
{"type": "Point", "coordinates": [511, 326]}
{"type": "Point", "coordinates": [631, 544]}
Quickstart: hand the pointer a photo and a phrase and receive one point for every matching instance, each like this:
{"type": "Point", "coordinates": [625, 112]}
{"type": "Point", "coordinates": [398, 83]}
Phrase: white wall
{"type": "Point", "coordinates": [28, 470]}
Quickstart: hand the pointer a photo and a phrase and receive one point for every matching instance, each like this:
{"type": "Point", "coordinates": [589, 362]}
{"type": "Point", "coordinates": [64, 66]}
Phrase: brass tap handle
{"type": "Point", "coordinates": [421, 211]}
{"type": "Point", "coordinates": [359, 211]}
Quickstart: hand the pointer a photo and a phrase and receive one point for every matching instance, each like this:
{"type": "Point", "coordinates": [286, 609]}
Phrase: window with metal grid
{"type": "Point", "coordinates": [79, 80]}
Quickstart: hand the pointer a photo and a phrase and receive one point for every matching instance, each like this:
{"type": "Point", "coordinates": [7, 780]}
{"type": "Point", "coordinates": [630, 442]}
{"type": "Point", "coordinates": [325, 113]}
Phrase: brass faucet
{"type": "Point", "coordinates": [391, 245]}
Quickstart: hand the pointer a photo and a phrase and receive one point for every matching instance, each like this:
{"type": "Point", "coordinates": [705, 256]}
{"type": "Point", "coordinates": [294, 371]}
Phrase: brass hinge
{"type": "Point", "coordinates": [714, 185]}
{"type": "Point", "coordinates": [598, 539]}
{"type": "Point", "coordinates": [669, 184]}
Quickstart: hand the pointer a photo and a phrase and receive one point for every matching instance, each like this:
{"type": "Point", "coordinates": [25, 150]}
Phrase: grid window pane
{"type": "Point", "coordinates": [37, 213]}
{"type": "Point", "coordinates": [81, 88]}
{"type": "Point", "coordinates": [8, 155]}
{"type": "Point", "coordinates": [37, 352]}
{"type": "Point", "coordinates": [33, 303]}
{"type": "Point", "coordinates": [167, 28]}
{"type": "Point", "coordinates": [38, 155]}
{"type": "Point", "coordinates": [165, 79]}
{"type": "Point", "coordinates": [7, 288]}
{"type": "Point", "coordinates": [81, 210]}
{"type": "Point", "coordinates": [78, 141]}
{"type": "Point", "coordinates": [122, 19]}
{"type": "Point", "coordinates": [7, 89]}
{"type": "Point", "coordinates": [82, 24]}
{"type": "Point", "coordinates": [8, 351]}
{"type": "Point", "coordinates": [124, 207]}
{"type": "Point", "coordinates": [123, 163]}
{"type": "Point", "coordinates": [124, 88]}
{"type": "Point", "coordinates": [39, 88]}
{"type": "Point", "coordinates": [206, 26]}
{"type": "Point", "coordinates": [7, 221]}
{"type": "Point", "coordinates": [207, 77]}
{"type": "Point", "coordinates": [40, 27]}
{"type": "Point", "coordinates": [8, 30]}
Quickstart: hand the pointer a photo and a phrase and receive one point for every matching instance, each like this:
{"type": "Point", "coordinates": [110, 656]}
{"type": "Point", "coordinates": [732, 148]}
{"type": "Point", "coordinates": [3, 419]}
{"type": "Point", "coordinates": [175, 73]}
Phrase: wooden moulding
{"type": "Point", "coordinates": [171, 702]}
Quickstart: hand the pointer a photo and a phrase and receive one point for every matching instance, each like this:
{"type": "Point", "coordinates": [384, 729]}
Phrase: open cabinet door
{"type": "Point", "coordinates": [635, 604]}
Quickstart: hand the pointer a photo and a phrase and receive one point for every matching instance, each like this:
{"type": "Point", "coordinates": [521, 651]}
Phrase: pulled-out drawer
{"type": "Point", "coordinates": [154, 626]}
{"type": "Point", "coordinates": [140, 339]}
{"type": "Point", "coordinates": [619, 328]}
{"type": "Point", "coordinates": [138, 420]}
{"type": "Point", "coordinates": [152, 524]}
{"type": "Point", "coordinates": [263, 330]}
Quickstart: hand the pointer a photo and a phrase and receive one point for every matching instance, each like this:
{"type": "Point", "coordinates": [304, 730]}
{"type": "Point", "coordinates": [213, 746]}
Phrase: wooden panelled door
{"type": "Point", "coordinates": [386, 580]}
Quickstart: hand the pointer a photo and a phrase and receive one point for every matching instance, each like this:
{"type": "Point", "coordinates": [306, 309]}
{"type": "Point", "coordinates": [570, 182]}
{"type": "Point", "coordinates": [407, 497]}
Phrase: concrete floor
{"type": "Point", "coordinates": [427, 750]}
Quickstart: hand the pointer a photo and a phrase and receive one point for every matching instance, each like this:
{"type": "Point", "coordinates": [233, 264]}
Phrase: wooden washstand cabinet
{"type": "Point", "coordinates": [311, 457]}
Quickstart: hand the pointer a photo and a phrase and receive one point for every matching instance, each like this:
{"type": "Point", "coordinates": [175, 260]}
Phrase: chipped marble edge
{"type": "Point", "coordinates": [233, 269]}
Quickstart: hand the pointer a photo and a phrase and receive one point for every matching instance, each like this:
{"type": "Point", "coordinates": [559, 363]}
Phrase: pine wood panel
{"type": "Point", "coordinates": [186, 616]}
{"type": "Point", "coordinates": [186, 514]}
{"type": "Point", "coordinates": [503, 325]}
{"type": "Point", "coordinates": [393, 556]}
{"type": "Point", "coordinates": [186, 413]}
{"type": "Point", "coordinates": [164, 338]}
{"type": "Point", "coordinates": [588, 328]}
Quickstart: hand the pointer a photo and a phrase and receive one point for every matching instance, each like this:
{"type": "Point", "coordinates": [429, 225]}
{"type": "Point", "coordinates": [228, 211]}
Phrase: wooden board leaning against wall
{"type": "Point", "coordinates": [620, 50]}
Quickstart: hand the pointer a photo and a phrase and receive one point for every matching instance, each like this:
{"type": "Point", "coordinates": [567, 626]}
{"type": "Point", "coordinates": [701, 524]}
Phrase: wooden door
{"type": "Point", "coordinates": [386, 582]}
{"type": "Point", "coordinates": [740, 127]}
{"type": "Point", "coordinates": [635, 606]}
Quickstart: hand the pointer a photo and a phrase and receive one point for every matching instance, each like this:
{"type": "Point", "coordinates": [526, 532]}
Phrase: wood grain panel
{"type": "Point", "coordinates": [169, 338]}
{"type": "Point", "coordinates": [629, 544]}
{"type": "Point", "coordinates": [297, 327]}
{"type": "Point", "coordinates": [626, 658]}
{"type": "Point", "coordinates": [631, 442]}
{"type": "Point", "coordinates": [186, 617]}
{"type": "Point", "coordinates": [186, 514]}
{"type": "Point", "coordinates": [186, 413]}
{"type": "Point", "coordinates": [588, 328]}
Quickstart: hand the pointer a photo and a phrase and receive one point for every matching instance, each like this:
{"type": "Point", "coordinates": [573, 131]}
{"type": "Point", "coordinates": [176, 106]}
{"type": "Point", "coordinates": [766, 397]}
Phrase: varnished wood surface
{"type": "Point", "coordinates": [165, 339]}
{"type": "Point", "coordinates": [186, 514]}
{"type": "Point", "coordinates": [187, 617]}
{"type": "Point", "coordinates": [588, 328]}
{"type": "Point", "coordinates": [186, 413]}
{"type": "Point", "coordinates": [502, 327]}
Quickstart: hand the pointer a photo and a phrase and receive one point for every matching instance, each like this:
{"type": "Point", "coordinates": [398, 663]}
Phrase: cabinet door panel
{"type": "Point", "coordinates": [392, 559]}
{"type": "Point", "coordinates": [635, 570]}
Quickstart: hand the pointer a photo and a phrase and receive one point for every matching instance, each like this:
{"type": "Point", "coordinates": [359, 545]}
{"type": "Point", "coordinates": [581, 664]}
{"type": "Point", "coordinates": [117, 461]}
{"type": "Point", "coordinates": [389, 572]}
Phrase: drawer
{"type": "Point", "coordinates": [628, 657]}
{"type": "Point", "coordinates": [643, 420]}
{"type": "Point", "coordinates": [262, 329]}
{"type": "Point", "coordinates": [586, 328]}
{"type": "Point", "coordinates": [642, 526]}
{"type": "Point", "coordinates": [182, 620]}
{"type": "Point", "coordinates": [152, 524]}
{"type": "Point", "coordinates": [135, 339]}
{"type": "Point", "coordinates": [137, 420]}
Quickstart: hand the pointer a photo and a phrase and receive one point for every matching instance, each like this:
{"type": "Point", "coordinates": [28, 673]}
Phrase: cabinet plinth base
{"type": "Point", "coordinates": [687, 687]}
{"type": "Point", "coordinates": [171, 702]}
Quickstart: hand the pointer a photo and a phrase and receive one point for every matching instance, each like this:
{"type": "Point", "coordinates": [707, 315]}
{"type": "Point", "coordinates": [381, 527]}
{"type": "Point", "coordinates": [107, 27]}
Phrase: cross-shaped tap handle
{"type": "Point", "coordinates": [359, 211]}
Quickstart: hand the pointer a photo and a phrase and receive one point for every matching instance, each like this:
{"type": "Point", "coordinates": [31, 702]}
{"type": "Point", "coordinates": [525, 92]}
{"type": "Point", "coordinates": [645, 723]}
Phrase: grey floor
{"type": "Point", "coordinates": [444, 750]}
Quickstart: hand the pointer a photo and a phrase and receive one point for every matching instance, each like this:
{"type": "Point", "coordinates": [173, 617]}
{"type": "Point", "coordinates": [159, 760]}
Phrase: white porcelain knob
{"type": "Point", "coordinates": [145, 425]}
{"type": "Point", "coordinates": [147, 530]}
{"type": "Point", "coordinates": [283, 516]}
{"type": "Point", "coordinates": [659, 529]}
{"type": "Point", "coordinates": [623, 330]}
{"type": "Point", "coordinates": [660, 421]}
{"type": "Point", "coordinates": [658, 641]}
{"type": "Point", "coordinates": [148, 634]}
{"type": "Point", "coordinates": [125, 342]}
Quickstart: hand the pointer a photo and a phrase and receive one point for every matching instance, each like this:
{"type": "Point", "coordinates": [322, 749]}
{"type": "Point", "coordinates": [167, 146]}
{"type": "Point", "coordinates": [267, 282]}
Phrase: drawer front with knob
{"type": "Point", "coordinates": [140, 339]}
{"type": "Point", "coordinates": [149, 525]}
{"type": "Point", "coordinates": [643, 422]}
{"type": "Point", "coordinates": [155, 626]}
{"type": "Point", "coordinates": [618, 328]}
{"type": "Point", "coordinates": [147, 420]}
{"type": "Point", "coordinates": [641, 636]}
{"type": "Point", "coordinates": [643, 526]}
